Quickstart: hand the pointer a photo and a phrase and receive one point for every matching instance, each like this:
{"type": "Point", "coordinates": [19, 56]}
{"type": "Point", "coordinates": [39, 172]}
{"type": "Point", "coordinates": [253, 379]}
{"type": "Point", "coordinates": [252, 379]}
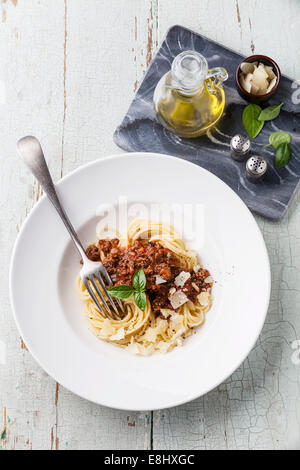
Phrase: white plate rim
{"type": "Point", "coordinates": [104, 402]}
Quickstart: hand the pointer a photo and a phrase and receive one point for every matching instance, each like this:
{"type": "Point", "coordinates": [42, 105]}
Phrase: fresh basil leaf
{"type": "Point", "coordinates": [139, 280]}
{"type": "Point", "coordinates": [278, 138]}
{"type": "Point", "coordinates": [141, 300]}
{"type": "Point", "coordinates": [283, 155]}
{"type": "Point", "coordinates": [121, 292]}
{"type": "Point", "coordinates": [269, 113]}
{"type": "Point", "coordinates": [250, 120]}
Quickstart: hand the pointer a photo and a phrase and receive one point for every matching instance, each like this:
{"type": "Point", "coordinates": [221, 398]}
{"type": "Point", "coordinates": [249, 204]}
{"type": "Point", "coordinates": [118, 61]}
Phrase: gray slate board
{"type": "Point", "coordinates": [140, 131]}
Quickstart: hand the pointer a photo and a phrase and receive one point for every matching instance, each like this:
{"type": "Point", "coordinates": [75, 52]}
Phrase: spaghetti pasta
{"type": "Point", "coordinates": [149, 331]}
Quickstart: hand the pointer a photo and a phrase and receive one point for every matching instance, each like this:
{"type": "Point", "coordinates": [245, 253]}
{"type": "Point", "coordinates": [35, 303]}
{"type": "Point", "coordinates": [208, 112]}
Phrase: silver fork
{"type": "Point", "coordinates": [31, 152]}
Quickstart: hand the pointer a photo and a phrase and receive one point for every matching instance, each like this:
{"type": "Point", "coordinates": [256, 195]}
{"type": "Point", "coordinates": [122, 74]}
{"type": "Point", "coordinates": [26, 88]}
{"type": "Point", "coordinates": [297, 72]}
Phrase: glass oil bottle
{"type": "Point", "coordinates": [190, 99]}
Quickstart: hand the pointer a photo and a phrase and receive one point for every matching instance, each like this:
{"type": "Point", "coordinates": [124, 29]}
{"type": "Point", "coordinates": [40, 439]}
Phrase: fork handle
{"type": "Point", "coordinates": [31, 152]}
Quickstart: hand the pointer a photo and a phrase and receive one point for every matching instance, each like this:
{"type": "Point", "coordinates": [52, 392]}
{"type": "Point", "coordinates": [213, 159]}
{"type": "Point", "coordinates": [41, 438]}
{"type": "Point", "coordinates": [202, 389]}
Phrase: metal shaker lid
{"type": "Point", "coordinates": [240, 144]}
{"type": "Point", "coordinates": [256, 166]}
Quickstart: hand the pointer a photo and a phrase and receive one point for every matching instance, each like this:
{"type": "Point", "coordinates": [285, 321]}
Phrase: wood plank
{"type": "Point", "coordinates": [106, 54]}
{"type": "Point", "coordinates": [258, 407]}
{"type": "Point", "coordinates": [32, 61]}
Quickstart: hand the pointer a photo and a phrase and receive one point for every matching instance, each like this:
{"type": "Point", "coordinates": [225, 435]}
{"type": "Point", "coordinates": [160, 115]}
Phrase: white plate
{"type": "Point", "coordinates": [50, 315]}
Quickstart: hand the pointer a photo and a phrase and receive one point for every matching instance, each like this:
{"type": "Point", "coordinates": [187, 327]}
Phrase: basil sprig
{"type": "Point", "coordinates": [137, 289]}
{"type": "Point", "coordinates": [282, 155]}
{"type": "Point", "coordinates": [250, 120]}
{"type": "Point", "coordinates": [140, 299]}
{"type": "Point", "coordinates": [254, 117]}
{"type": "Point", "coordinates": [278, 138]}
{"type": "Point", "coordinates": [121, 292]}
{"type": "Point", "coordinates": [269, 113]}
{"type": "Point", "coordinates": [281, 142]}
{"type": "Point", "coordinates": [139, 280]}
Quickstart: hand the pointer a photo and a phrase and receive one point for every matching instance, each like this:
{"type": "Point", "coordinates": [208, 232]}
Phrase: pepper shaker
{"type": "Point", "coordinates": [240, 147]}
{"type": "Point", "coordinates": [256, 168]}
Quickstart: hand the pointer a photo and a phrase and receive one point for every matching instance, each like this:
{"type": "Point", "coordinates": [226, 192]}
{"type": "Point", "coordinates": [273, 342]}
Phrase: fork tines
{"type": "Point", "coordinates": [93, 288]}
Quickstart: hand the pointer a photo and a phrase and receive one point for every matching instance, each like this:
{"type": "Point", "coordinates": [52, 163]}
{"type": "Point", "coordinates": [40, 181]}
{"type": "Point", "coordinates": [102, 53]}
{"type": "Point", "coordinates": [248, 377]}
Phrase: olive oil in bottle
{"type": "Point", "coordinates": [190, 99]}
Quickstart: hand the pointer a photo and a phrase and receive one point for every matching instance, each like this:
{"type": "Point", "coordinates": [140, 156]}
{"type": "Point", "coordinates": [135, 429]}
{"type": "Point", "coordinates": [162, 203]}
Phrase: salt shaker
{"type": "Point", "coordinates": [240, 147]}
{"type": "Point", "coordinates": [256, 168]}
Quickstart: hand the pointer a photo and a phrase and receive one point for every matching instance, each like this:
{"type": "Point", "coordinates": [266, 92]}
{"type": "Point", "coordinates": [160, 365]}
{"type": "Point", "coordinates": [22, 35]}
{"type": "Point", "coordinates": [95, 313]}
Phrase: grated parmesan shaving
{"type": "Point", "coordinates": [177, 322]}
{"type": "Point", "coordinates": [195, 287]}
{"type": "Point", "coordinates": [150, 335]}
{"type": "Point", "coordinates": [178, 299]}
{"type": "Point", "coordinates": [162, 325]}
{"type": "Point", "coordinates": [166, 312]}
{"type": "Point", "coordinates": [208, 280]}
{"type": "Point", "coordinates": [133, 348]}
{"type": "Point", "coordinates": [119, 335]}
{"type": "Point", "coordinates": [152, 332]}
{"type": "Point", "coordinates": [163, 347]}
{"type": "Point", "coordinates": [107, 329]}
{"type": "Point", "coordinates": [204, 298]}
{"type": "Point", "coordinates": [181, 279]}
{"type": "Point", "coordinates": [159, 280]}
{"type": "Point", "coordinates": [139, 350]}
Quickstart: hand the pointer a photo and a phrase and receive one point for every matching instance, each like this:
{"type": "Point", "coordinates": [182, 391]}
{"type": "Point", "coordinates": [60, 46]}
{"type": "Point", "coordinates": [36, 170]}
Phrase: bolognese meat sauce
{"type": "Point", "coordinates": [160, 265]}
